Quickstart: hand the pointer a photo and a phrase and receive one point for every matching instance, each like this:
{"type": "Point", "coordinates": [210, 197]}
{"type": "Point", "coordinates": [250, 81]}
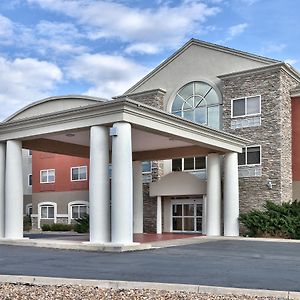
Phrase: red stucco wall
{"type": "Point", "coordinates": [62, 165]}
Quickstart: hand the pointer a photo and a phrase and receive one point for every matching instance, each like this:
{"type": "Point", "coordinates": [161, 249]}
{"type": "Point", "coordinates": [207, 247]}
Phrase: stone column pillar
{"type": "Point", "coordinates": [231, 195]}
{"type": "Point", "coordinates": [213, 220]}
{"type": "Point", "coordinates": [121, 185]}
{"type": "Point", "coordinates": [14, 191]}
{"type": "Point", "coordinates": [158, 216]}
{"type": "Point", "coordinates": [137, 197]}
{"type": "Point", "coordinates": [2, 188]}
{"type": "Point", "coordinates": [99, 201]}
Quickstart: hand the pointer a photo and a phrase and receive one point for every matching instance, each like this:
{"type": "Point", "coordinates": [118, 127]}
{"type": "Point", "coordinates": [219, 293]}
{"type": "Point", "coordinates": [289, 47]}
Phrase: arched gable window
{"type": "Point", "coordinates": [198, 101]}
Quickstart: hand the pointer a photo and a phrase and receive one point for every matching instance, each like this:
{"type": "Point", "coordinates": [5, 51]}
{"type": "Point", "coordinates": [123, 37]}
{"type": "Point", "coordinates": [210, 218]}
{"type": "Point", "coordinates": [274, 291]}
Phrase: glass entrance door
{"type": "Point", "coordinates": [187, 216]}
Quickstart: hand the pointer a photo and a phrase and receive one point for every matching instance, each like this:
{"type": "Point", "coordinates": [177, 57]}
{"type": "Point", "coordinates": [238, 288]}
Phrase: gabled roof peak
{"type": "Point", "coordinates": [193, 41]}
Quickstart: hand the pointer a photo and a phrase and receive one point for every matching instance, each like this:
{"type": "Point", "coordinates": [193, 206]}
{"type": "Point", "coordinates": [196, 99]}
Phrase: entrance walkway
{"type": "Point", "coordinates": [84, 237]}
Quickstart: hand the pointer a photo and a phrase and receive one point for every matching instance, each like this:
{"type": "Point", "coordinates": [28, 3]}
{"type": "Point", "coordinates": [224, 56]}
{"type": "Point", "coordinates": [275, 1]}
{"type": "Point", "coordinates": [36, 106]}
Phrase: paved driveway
{"type": "Point", "coordinates": [243, 264]}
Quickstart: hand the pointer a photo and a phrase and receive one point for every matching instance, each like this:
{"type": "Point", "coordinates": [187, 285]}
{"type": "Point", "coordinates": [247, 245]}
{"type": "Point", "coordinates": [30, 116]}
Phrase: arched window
{"type": "Point", "coordinates": [198, 102]}
{"type": "Point", "coordinates": [77, 209]}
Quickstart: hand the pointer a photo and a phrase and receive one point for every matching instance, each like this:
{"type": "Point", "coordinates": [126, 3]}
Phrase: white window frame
{"type": "Point", "coordinates": [147, 172]}
{"type": "Point", "coordinates": [260, 156]}
{"type": "Point", "coordinates": [28, 180]}
{"type": "Point", "coordinates": [77, 202]}
{"type": "Point", "coordinates": [245, 115]}
{"type": "Point", "coordinates": [47, 170]}
{"type": "Point", "coordinates": [79, 167]}
{"type": "Point", "coordinates": [190, 170]}
{"type": "Point", "coordinates": [190, 201]}
{"type": "Point", "coordinates": [28, 206]}
{"type": "Point", "coordinates": [54, 204]}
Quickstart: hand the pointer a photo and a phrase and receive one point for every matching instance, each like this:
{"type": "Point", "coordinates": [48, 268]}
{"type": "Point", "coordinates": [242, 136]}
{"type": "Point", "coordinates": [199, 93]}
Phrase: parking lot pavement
{"type": "Point", "coordinates": [225, 263]}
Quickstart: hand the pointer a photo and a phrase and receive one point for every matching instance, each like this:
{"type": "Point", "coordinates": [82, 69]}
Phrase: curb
{"type": "Point", "coordinates": [111, 284]}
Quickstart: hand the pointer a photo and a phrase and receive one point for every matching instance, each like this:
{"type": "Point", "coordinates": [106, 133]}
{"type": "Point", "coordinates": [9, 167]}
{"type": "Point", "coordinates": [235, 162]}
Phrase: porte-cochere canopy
{"type": "Point", "coordinates": [116, 131]}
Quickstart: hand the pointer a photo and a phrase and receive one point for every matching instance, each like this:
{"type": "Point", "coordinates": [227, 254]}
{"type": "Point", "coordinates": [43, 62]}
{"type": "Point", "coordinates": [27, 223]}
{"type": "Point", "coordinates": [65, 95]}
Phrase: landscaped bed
{"type": "Point", "coordinates": [66, 292]}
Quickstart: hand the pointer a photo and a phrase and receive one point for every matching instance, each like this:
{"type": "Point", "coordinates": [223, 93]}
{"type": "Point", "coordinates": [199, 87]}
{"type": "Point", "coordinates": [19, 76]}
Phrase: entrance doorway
{"type": "Point", "coordinates": [187, 215]}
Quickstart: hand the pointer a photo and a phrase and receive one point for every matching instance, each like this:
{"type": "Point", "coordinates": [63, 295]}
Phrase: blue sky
{"type": "Point", "coordinates": [101, 48]}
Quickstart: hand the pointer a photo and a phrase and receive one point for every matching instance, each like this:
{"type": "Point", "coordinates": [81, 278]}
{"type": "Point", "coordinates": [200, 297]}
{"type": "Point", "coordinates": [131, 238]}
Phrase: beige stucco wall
{"type": "Point", "coordinates": [196, 64]}
{"type": "Point", "coordinates": [178, 183]}
{"type": "Point", "coordinates": [60, 198]}
{"type": "Point", "coordinates": [296, 190]}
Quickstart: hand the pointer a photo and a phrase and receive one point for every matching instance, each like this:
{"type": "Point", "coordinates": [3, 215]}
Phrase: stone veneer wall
{"type": "Point", "coordinates": [153, 98]}
{"type": "Point", "coordinates": [274, 133]}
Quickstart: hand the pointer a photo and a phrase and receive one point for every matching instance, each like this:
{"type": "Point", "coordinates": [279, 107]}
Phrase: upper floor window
{"type": "Point", "coordinates": [146, 167]}
{"type": "Point", "coordinates": [79, 173]}
{"type": "Point", "coordinates": [250, 156]}
{"type": "Point", "coordinates": [189, 163]}
{"type": "Point", "coordinates": [47, 176]}
{"type": "Point", "coordinates": [247, 106]}
{"type": "Point", "coordinates": [198, 102]}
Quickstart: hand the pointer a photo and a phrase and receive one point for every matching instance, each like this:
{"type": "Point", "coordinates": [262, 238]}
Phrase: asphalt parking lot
{"type": "Point", "coordinates": [225, 263]}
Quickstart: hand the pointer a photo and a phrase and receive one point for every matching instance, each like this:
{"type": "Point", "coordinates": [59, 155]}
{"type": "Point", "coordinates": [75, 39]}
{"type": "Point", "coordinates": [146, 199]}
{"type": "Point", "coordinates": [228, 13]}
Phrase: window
{"type": "Point", "coordinates": [198, 102]}
{"type": "Point", "coordinates": [146, 167]}
{"type": "Point", "coordinates": [47, 176]}
{"type": "Point", "coordinates": [189, 163]}
{"type": "Point", "coordinates": [247, 106]}
{"type": "Point", "coordinates": [47, 212]}
{"type": "Point", "coordinates": [78, 211]}
{"type": "Point", "coordinates": [29, 152]}
{"type": "Point", "coordinates": [250, 156]}
{"type": "Point", "coordinates": [29, 210]}
{"type": "Point", "coordinates": [30, 180]}
{"type": "Point", "coordinates": [79, 173]}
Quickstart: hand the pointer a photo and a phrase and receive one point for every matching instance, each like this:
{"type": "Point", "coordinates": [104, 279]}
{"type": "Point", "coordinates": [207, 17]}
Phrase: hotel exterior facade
{"type": "Point", "coordinates": [181, 177]}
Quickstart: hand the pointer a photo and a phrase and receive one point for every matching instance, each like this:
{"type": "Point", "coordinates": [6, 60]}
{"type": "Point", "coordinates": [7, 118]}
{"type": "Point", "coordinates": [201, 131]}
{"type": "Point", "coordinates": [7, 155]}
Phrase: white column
{"type": "Point", "coordinates": [121, 185]}
{"type": "Point", "coordinates": [137, 197]}
{"type": "Point", "coordinates": [231, 195]}
{"type": "Point", "coordinates": [13, 191]}
{"type": "Point", "coordinates": [99, 186]}
{"type": "Point", "coordinates": [213, 218]}
{"type": "Point", "coordinates": [158, 216]}
{"type": "Point", "coordinates": [2, 187]}
{"type": "Point", "coordinates": [204, 214]}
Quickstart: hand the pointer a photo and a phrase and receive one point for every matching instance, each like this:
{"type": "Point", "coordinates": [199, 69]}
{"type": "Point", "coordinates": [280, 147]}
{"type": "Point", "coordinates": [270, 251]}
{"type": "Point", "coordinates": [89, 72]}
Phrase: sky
{"type": "Point", "coordinates": [101, 48]}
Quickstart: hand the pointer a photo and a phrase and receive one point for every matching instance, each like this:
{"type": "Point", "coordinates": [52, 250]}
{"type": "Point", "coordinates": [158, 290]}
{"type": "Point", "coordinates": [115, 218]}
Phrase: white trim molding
{"type": "Point", "coordinates": [77, 202]}
{"type": "Point", "coordinates": [46, 204]}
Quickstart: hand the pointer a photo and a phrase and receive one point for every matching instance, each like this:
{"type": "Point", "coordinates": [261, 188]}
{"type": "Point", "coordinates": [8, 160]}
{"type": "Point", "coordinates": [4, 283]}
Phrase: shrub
{"type": "Point", "coordinates": [46, 227]}
{"type": "Point", "coordinates": [27, 225]}
{"type": "Point", "coordinates": [82, 224]}
{"type": "Point", "coordinates": [61, 227]}
{"type": "Point", "coordinates": [281, 220]}
{"type": "Point", "coordinates": [57, 227]}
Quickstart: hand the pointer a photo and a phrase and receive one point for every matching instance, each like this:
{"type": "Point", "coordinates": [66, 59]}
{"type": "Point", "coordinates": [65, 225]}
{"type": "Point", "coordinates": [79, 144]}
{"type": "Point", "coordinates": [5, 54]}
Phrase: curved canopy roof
{"type": "Point", "coordinates": [52, 105]}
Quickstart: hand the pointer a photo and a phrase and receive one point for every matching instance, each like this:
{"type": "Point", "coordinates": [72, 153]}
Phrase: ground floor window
{"type": "Point", "coordinates": [79, 211]}
{"type": "Point", "coordinates": [187, 216]}
{"type": "Point", "coordinates": [47, 212]}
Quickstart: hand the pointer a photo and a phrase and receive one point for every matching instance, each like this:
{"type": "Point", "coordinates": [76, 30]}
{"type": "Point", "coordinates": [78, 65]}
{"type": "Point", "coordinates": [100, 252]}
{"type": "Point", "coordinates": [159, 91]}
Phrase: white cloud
{"type": "Point", "coordinates": [291, 61]}
{"type": "Point", "coordinates": [25, 80]}
{"type": "Point", "coordinates": [109, 75]}
{"type": "Point", "coordinates": [235, 30]}
{"type": "Point", "coordinates": [164, 26]}
{"type": "Point", "coordinates": [273, 48]}
{"type": "Point", "coordinates": [6, 27]}
{"type": "Point", "coordinates": [142, 48]}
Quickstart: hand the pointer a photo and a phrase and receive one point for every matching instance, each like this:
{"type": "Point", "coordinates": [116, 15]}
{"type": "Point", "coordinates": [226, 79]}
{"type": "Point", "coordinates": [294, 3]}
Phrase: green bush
{"type": "Point", "coordinates": [46, 227]}
{"type": "Point", "coordinates": [280, 220]}
{"type": "Point", "coordinates": [57, 227]}
{"type": "Point", "coordinates": [82, 224]}
{"type": "Point", "coordinates": [27, 225]}
{"type": "Point", "coordinates": [61, 227]}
